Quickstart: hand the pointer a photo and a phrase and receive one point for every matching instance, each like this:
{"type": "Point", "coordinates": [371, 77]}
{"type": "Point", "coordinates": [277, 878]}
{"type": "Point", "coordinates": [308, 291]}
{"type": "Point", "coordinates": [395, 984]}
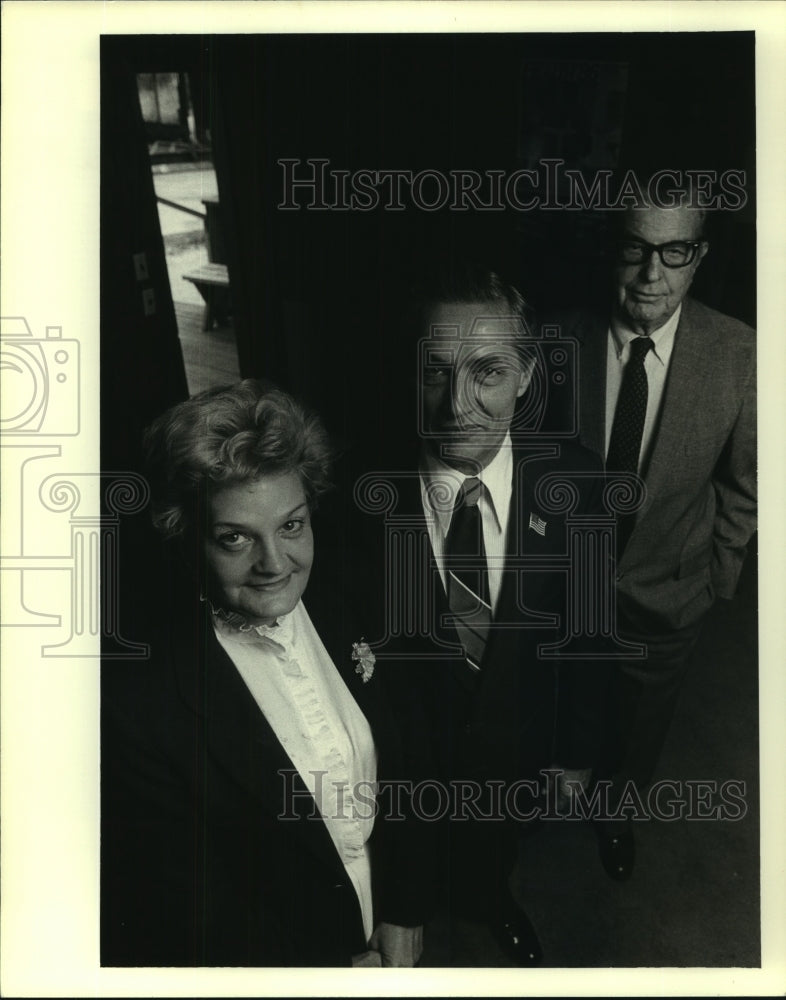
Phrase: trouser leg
{"type": "Point", "coordinates": [482, 853]}
{"type": "Point", "coordinates": [644, 696]}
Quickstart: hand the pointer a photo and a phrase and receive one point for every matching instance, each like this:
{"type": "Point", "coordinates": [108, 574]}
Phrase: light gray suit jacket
{"type": "Point", "coordinates": [691, 534]}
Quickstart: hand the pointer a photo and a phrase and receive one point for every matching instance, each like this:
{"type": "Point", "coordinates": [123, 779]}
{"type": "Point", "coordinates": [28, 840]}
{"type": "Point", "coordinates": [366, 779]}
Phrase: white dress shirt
{"type": "Point", "coordinates": [656, 366]}
{"type": "Point", "coordinates": [315, 718]}
{"type": "Point", "coordinates": [439, 486]}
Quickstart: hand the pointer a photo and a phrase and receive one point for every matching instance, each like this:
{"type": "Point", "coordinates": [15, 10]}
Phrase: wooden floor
{"type": "Point", "coordinates": [209, 356]}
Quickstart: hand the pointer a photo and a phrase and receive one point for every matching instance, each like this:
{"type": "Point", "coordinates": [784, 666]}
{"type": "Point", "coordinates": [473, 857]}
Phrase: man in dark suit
{"type": "Point", "coordinates": [476, 558]}
{"type": "Point", "coordinates": [667, 392]}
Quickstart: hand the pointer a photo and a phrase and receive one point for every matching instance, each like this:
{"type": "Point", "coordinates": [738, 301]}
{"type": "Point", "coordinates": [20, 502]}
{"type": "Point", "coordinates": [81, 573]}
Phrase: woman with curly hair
{"type": "Point", "coordinates": [240, 763]}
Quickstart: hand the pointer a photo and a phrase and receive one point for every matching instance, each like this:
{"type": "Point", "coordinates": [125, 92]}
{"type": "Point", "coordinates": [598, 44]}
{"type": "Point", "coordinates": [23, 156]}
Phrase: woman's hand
{"type": "Point", "coordinates": [399, 947]}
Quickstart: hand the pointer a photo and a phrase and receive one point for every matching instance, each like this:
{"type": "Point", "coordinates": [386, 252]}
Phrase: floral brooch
{"type": "Point", "coordinates": [365, 659]}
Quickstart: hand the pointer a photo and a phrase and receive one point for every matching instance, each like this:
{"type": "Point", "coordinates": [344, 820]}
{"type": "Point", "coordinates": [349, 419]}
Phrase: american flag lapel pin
{"type": "Point", "coordinates": [537, 523]}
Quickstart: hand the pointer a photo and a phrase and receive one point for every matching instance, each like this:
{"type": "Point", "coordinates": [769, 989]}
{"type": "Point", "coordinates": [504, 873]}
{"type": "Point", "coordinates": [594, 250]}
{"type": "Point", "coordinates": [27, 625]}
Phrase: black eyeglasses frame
{"type": "Point", "coordinates": [650, 248]}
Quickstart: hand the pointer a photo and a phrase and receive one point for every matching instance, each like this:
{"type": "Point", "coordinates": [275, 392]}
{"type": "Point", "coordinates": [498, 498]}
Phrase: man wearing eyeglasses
{"type": "Point", "coordinates": [667, 396]}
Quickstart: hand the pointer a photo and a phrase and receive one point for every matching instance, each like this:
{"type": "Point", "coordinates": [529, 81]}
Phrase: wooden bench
{"type": "Point", "coordinates": [212, 283]}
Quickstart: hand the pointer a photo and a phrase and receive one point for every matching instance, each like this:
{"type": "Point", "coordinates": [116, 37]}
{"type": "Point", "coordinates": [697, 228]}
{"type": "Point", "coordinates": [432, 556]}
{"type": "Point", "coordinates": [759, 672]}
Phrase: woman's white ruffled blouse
{"type": "Point", "coordinates": [304, 698]}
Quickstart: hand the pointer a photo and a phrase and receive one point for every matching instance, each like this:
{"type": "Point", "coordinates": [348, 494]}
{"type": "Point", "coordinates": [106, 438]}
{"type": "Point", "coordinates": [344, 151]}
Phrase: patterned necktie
{"type": "Point", "coordinates": [626, 431]}
{"type": "Point", "coordinates": [628, 426]}
{"type": "Point", "coordinates": [467, 574]}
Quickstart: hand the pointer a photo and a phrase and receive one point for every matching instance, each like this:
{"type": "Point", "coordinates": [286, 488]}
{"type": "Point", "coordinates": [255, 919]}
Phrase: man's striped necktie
{"type": "Point", "coordinates": [467, 573]}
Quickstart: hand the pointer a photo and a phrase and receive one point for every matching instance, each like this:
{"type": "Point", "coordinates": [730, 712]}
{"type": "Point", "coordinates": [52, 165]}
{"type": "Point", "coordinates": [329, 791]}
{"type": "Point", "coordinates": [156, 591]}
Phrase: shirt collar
{"type": "Point", "coordinates": [662, 338]}
{"type": "Point", "coordinates": [440, 483]}
{"type": "Point", "coordinates": [234, 627]}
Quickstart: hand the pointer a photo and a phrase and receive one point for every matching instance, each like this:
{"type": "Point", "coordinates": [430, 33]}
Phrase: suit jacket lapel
{"type": "Point", "coordinates": [430, 583]}
{"type": "Point", "coordinates": [593, 348]}
{"type": "Point", "coordinates": [338, 630]}
{"type": "Point", "coordinates": [521, 508]}
{"type": "Point", "coordinates": [521, 589]}
{"type": "Point", "coordinates": [682, 399]}
{"type": "Point", "coordinates": [239, 737]}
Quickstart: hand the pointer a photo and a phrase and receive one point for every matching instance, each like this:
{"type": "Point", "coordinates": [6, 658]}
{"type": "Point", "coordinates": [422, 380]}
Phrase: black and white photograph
{"type": "Point", "coordinates": [411, 574]}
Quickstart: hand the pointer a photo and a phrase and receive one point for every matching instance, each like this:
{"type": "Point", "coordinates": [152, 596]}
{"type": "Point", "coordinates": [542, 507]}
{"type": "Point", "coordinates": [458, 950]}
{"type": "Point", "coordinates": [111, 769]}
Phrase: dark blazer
{"type": "Point", "coordinates": [197, 866]}
{"type": "Point", "coordinates": [690, 536]}
{"type": "Point", "coordinates": [502, 722]}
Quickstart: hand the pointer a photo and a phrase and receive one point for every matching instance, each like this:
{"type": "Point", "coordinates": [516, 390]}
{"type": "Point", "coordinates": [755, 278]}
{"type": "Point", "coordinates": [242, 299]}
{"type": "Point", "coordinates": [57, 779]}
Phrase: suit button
{"type": "Point", "coordinates": [619, 576]}
{"type": "Point", "coordinates": [467, 728]}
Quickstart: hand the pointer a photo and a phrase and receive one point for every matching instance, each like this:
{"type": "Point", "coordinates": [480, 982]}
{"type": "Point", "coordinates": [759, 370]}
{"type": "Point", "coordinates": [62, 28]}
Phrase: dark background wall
{"type": "Point", "coordinates": [316, 294]}
{"type": "Point", "coordinates": [316, 302]}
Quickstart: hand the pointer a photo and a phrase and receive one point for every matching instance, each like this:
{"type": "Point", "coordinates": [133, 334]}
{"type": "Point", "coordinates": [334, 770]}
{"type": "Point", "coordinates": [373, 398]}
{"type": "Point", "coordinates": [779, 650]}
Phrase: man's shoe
{"type": "Point", "coordinates": [516, 936]}
{"type": "Point", "coordinates": [617, 850]}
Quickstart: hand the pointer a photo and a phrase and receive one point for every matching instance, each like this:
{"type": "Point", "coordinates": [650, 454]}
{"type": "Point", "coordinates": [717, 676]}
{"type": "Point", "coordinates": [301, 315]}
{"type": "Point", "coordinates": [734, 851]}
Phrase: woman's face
{"type": "Point", "coordinates": [259, 547]}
